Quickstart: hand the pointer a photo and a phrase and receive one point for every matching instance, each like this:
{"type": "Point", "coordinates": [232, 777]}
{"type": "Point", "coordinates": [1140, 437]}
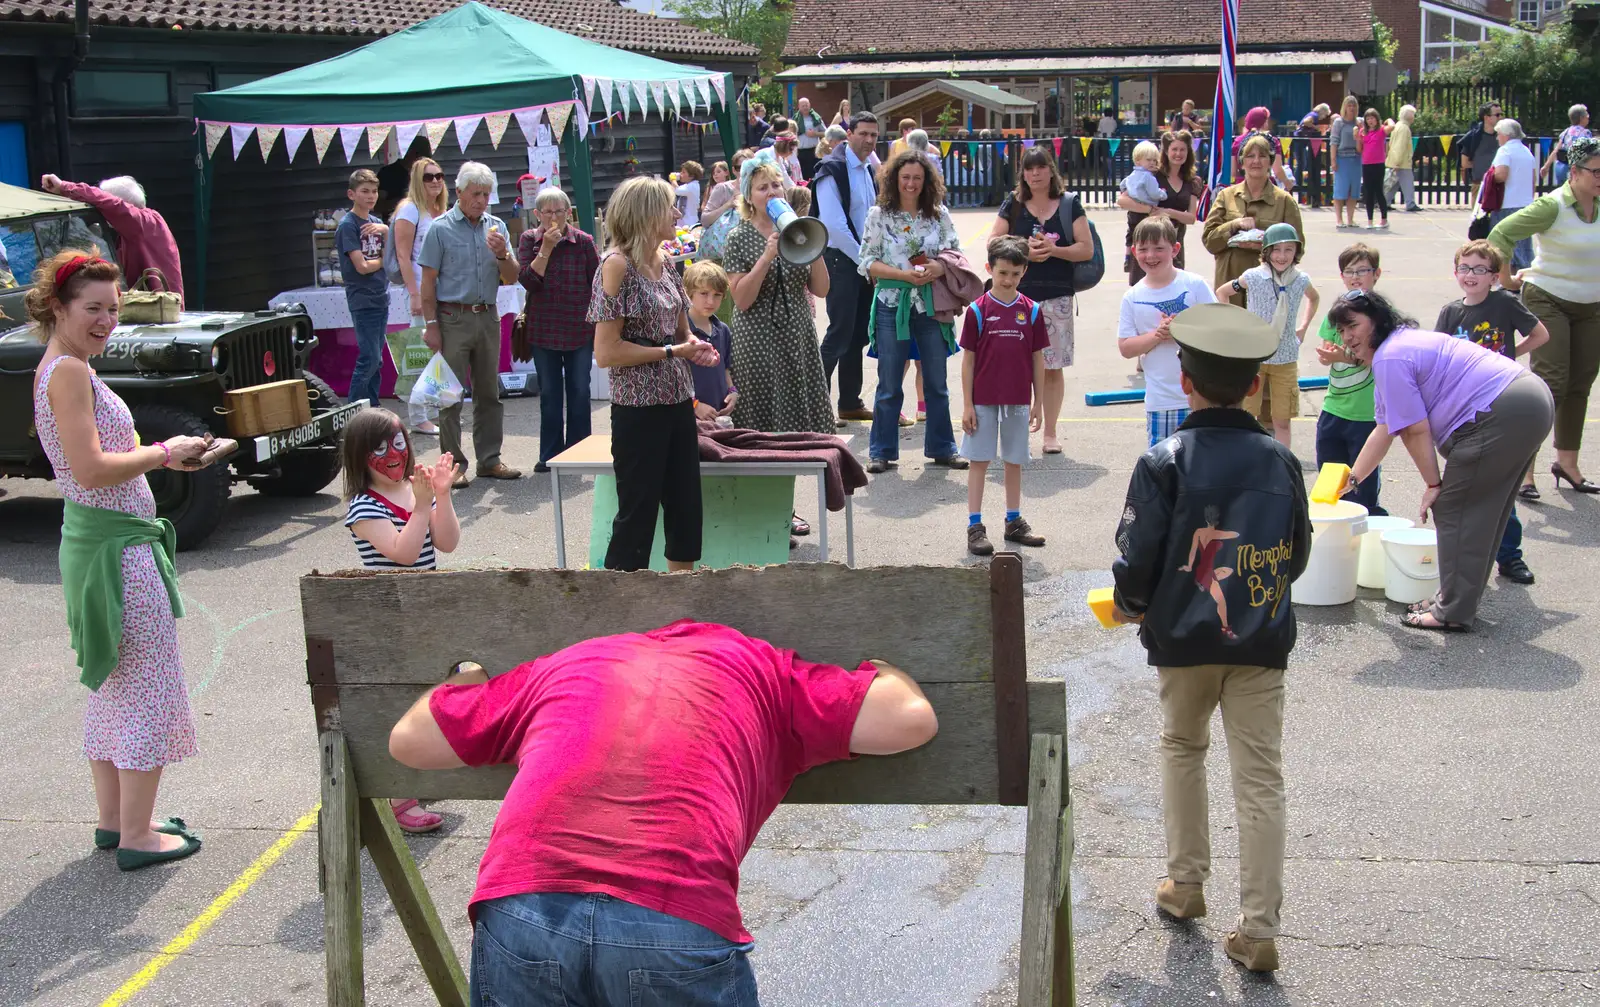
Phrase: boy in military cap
{"type": "Point", "coordinates": [1214, 531]}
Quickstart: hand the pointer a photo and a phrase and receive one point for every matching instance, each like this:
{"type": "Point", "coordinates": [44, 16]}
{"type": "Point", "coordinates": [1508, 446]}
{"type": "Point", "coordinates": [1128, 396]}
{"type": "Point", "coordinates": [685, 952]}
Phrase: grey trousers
{"type": "Point", "coordinates": [470, 342]}
{"type": "Point", "coordinates": [1486, 458]}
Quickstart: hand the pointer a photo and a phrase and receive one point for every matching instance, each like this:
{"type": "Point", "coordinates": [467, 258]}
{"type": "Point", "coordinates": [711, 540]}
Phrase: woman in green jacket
{"type": "Point", "coordinates": [116, 562]}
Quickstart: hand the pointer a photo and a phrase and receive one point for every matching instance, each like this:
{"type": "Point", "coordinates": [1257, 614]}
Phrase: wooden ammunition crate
{"type": "Point", "coordinates": [265, 409]}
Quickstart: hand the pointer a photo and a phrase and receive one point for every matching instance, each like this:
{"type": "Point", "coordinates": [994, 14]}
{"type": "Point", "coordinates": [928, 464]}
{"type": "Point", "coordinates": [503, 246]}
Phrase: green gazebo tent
{"type": "Point", "coordinates": [469, 67]}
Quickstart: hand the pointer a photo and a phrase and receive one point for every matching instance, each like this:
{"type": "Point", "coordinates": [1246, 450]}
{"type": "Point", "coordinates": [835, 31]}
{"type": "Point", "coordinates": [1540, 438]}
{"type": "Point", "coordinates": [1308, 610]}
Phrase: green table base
{"type": "Point", "coordinates": [746, 521]}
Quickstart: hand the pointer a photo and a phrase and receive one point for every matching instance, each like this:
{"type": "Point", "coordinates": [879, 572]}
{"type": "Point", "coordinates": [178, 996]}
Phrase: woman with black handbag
{"type": "Point", "coordinates": [1057, 230]}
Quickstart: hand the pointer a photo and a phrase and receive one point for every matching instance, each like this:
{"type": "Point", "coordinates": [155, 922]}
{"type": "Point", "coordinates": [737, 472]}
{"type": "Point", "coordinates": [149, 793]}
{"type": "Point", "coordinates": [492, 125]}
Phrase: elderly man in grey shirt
{"type": "Point", "coordinates": [465, 258]}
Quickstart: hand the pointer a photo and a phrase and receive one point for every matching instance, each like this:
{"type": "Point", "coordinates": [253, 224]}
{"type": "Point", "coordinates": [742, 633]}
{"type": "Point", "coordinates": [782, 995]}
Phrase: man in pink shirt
{"type": "Point", "coordinates": [144, 240]}
{"type": "Point", "coordinates": [646, 764]}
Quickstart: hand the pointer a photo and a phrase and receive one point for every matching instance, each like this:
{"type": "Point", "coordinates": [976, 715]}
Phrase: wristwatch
{"type": "Point", "coordinates": [669, 351]}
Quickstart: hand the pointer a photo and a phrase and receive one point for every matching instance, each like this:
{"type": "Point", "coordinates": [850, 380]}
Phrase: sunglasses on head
{"type": "Point", "coordinates": [433, 176]}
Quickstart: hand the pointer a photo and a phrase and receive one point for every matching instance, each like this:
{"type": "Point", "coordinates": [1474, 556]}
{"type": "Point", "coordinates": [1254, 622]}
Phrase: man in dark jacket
{"type": "Point", "coordinates": [1214, 531]}
{"type": "Point", "coordinates": [1479, 144]}
{"type": "Point", "coordinates": [845, 190]}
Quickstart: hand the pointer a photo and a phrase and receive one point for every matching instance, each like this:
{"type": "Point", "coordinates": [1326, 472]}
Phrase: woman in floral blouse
{"type": "Point", "coordinates": [900, 246]}
{"type": "Point", "coordinates": [641, 332]}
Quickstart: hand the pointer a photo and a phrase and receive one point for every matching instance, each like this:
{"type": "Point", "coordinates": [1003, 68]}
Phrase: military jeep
{"type": "Point", "coordinates": [173, 377]}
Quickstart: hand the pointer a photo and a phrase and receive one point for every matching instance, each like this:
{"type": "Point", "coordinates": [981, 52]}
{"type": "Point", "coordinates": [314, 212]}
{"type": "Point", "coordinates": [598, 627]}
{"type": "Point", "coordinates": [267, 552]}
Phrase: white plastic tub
{"type": "Point", "coordinates": [1330, 577]}
{"type": "Point", "coordinates": [1373, 564]}
{"type": "Point", "coordinates": [1412, 572]}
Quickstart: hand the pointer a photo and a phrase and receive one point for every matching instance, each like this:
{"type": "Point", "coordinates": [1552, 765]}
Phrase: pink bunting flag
{"type": "Point", "coordinates": [293, 136]}
{"type": "Point", "coordinates": [214, 134]}
{"type": "Point", "coordinates": [466, 126]}
{"type": "Point", "coordinates": [559, 114]}
{"type": "Point", "coordinates": [404, 134]}
{"type": "Point", "coordinates": [497, 123]}
{"type": "Point", "coordinates": [266, 136]}
{"type": "Point", "coordinates": [435, 132]}
{"type": "Point", "coordinates": [321, 136]}
{"type": "Point", "coordinates": [349, 136]}
{"type": "Point", "coordinates": [240, 135]}
{"type": "Point", "coordinates": [1316, 147]}
{"type": "Point", "coordinates": [377, 136]}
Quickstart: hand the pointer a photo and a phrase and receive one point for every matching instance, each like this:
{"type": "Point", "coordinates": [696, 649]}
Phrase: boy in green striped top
{"type": "Point", "coordinates": [1347, 410]}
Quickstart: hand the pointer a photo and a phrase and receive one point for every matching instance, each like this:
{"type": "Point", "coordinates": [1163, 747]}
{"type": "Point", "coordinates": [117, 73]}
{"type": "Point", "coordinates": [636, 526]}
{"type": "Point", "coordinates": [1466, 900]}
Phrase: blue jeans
{"type": "Point", "coordinates": [370, 324]}
{"type": "Point", "coordinates": [1561, 172]}
{"type": "Point", "coordinates": [939, 440]}
{"type": "Point", "coordinates": [1511, 541]}
{"type": "Point", "coordinates": [1340, 441]}
{"type": "Point", "coordinates": [564, 950]}
{"type": "Point", "coordinates": [562, 373]}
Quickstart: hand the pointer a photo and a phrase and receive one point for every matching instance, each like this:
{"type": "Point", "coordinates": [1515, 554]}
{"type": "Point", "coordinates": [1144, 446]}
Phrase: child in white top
{"type": "Point", "coordinates": [688, 179]}
{"type": "Point", "coordinates": [1147, 312]}
{"type": "Point", "coordinates": [1274, 291]}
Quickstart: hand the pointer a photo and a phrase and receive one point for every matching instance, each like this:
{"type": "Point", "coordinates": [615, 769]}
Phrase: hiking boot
{"type": "Point", "coordinates": [978, 540]}
{"type": "Point", "coordinates": [1020, 532]}
{"type": "Point", "coordinates": [1183, 899]}
{"type": "Point", "coordinates": [1516, 571]}
{"type": "Point", "coordinates": [951, 462]}
{"type": "Point", "coordinates": [1257, 956]}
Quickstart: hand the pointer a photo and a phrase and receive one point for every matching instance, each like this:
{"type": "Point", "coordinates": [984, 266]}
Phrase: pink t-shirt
{"type": "Point", "coordinates": [1374, 147]}
{"type": "Point", "coordinates": [647, 762]}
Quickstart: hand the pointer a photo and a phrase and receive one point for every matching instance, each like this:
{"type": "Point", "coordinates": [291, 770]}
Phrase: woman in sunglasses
{"type": "Point", "coordinates": [1478, 408]}
{"type": "Point", "coordinates": [426, 199]}
{"type": "Point", "coordinates": [1560, 287]}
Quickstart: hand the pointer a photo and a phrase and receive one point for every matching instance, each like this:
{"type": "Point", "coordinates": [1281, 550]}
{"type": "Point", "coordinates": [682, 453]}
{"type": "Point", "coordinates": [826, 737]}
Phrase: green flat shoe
{"type": "Point", "coordinates": [132, 860]}
{"type": "Point", "coordinates": [108, 839]}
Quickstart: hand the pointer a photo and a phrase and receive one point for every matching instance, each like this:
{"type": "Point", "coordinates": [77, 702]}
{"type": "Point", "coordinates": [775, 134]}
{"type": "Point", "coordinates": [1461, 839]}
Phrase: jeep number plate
{"type": "Point", "coordinates": [319, 429]}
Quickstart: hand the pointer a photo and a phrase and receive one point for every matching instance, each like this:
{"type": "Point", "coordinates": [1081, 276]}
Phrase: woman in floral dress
{"type": "Point", "coordinates": [904, 234]}
{"type": "Point", "coordinates": [137, 720]}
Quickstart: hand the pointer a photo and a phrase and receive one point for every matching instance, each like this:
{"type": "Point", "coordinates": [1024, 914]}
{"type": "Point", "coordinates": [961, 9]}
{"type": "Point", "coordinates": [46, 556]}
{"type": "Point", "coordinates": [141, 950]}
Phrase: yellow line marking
{"type": "Point", "coordinates": [197, 928]}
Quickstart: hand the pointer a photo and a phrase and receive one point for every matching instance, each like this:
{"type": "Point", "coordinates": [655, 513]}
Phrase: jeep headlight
{"type": "Point", "coordinates": [216, 357]}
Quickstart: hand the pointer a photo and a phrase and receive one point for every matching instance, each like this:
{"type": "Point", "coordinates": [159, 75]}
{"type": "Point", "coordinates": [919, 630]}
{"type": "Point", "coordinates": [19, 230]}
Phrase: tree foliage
{"type": "Point", "coordinates": [1551, 57]}
{"type": "Point", "coordinates": [760, 23]}
{"type": "Point", "coordinates": [1388, 46]}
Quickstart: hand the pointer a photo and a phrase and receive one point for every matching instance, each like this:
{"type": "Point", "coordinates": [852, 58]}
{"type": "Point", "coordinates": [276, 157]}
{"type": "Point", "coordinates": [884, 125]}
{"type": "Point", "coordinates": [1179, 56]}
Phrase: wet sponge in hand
{"type": "Point", "coordinates": [1330, 483]}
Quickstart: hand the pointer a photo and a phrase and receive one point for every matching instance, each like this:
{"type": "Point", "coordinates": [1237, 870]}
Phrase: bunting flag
{"type": "Point", "coordinates": [404, 134]}
{"type": "Point", "coordinates": [559, 114]}
{"type": "Point", "coordinates": [1114, 143]}
{"type": "Point", "coordinates": [1028, 144]}
{"type": "Point", "coordinates": [972, 151]}
{"type": "Point", "coordinates": [435, 132]}
{"type": "Point", "coordinates": [1223, 106]}
{"type": "Point", "coordinates": [321, 136]}
{"type": "Point", "coordinates": [605, 86]}
{"type": "Point", "coordinates": [466, 126]}
{"type": "Point", "coordinates": [1316, 147]}
{"type": "Point", "coordinates": [266, 136]}
{"type": "Point", "coordinates": [719, 84]}
{"type": "Point", "coordinates": [1057, 144]}
{"type": "Point", "coordinates": [582, 115]}
{"type": "Point", "coordinates": [528, 122]}
{"type": "Point", "coordinates": [702, 92]}
{"type": "Point", "coordinates": [675, 95]}
{"type": "Point", "coordinates": [658, 91]}
{"type": "Point", "coordinates": [1084, 141]}
{"type": "Point", "coordinates": [377, 136]}
{"type": "Point", "coordinates": [349, 136]}
{"type": "Point", "coordinates": [588, 91]}
{"type": "Point", "coordinates": [944, 148]}
{"type": "Point", "coordinates": [214, 134]}
{"type": "Point", "coordinates": [240, 135]}
{"type": "Point", "coordinates": [1444, 141]}
{"type": "Point", "coordinates": [622, 101]}
{"type": "Point", "coordinates": [497, 123]}
{"type": "Point", "coordinates": [293, 136]}
{"type": "Point", "coordinates": [1414, 141]}
{"type": "Point", "coordinates": [641, 91]}
{"type": "Point", "coordinates": [1284, 142]}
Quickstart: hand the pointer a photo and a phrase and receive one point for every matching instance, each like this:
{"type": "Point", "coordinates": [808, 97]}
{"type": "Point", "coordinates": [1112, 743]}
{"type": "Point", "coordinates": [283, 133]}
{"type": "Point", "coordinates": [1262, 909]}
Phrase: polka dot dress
{"type": "Point", "coordinates": [777, 366]}
{"type": "Point", "coordinates": [139, 718]}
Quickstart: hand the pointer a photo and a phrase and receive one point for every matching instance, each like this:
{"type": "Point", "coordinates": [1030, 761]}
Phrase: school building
{"type": "Point", "coordinates": [1053, 68]}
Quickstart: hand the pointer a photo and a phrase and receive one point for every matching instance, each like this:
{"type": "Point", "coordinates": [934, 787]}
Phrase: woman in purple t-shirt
{"type": "Point", "coordinates": [1478, 408]}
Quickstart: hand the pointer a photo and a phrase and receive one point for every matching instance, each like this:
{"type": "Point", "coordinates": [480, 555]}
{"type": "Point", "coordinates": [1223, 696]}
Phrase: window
{"type": "Point", "coordinates": [1528, 11]}
{"type": "Point", "coordinates": [1446, 35]}
{"type": "Point", "coordinates": [121, 92]}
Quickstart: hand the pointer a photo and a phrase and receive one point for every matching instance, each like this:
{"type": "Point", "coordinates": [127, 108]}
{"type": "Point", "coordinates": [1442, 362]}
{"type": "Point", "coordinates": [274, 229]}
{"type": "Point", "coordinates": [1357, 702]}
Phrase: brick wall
{"type": "Point", "coordinates": [1404, 18]}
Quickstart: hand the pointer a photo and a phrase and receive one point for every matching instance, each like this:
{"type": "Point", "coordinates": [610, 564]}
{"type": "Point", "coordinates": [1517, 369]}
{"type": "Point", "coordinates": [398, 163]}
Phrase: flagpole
{"type": "Point", "coordinates": [1224, 106]}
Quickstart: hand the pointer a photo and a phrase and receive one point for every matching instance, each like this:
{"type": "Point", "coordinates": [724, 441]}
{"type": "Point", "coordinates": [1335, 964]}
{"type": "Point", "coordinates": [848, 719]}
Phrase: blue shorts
{"type": "Point", "coordinates": [1347, 176]}
{"type": "Point", "coordinates": [1163, 423]}
{"type": "Point", "coordinates": [1003, 431]}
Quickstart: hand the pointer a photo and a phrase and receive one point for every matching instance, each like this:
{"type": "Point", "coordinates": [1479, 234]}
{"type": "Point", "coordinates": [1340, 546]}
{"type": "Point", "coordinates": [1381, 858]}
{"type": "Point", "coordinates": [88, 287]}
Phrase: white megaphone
{"type": "Point", "coordinates": [800, 239]}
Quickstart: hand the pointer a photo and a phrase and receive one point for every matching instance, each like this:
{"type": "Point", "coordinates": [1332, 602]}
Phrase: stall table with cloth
{"type": "Point", "coordinates": [747, 507]}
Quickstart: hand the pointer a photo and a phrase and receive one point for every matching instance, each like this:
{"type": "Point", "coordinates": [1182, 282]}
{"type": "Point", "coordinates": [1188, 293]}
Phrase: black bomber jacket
{"type": "Point", "coordinates": [1215, 529]}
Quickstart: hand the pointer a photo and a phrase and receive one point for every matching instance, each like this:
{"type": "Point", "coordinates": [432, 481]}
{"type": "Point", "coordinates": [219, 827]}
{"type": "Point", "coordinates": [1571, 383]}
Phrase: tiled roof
{"type": "Point", "coordinates": [604, 21]}
{"type": "Point", "coordinates": [842, 28]}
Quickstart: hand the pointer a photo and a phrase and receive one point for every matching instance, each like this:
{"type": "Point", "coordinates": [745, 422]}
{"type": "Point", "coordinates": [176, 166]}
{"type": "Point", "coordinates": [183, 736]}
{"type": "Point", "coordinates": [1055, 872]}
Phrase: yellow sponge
{"type": "Point", "coordinates": [1102, 601]}
{"type": "Point", "coordinates": [1330, 483]}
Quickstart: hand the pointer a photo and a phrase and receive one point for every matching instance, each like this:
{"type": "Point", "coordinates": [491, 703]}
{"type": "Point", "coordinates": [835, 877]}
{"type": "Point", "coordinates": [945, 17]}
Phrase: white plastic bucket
{"type": "Point", "coordinates": [1330, 577]}
{"type": "Point", "coordinates": [1370, 569]}
{"type": "Point", "coordinates": [1412, 564]}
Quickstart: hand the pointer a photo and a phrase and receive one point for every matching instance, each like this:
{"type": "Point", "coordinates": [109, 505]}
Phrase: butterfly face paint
{"type": "Point", "coordinates": [389, 458]}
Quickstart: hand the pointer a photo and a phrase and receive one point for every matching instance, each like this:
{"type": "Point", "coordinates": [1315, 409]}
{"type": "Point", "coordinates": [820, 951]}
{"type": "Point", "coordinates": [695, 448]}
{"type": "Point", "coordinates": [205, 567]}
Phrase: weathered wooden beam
{"type": "Point", "coordinates": [339, 847]}
{"type": "Point", "coordinates": [386, 845]}
{"type": "Point", "coordinates": [1010, 649]}
{"type": "Point", "coordinates": [1041, 873]}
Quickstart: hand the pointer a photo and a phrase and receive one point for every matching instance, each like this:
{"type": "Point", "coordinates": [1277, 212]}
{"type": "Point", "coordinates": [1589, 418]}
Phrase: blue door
{"type": "Point", "coordinates": [1288, 95]}
{"type": "Point", "coordinates": [13, 154]}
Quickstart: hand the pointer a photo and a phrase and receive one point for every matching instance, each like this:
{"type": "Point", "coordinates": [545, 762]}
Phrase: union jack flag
{"type": "Point", "coordinates": [1223, 107]}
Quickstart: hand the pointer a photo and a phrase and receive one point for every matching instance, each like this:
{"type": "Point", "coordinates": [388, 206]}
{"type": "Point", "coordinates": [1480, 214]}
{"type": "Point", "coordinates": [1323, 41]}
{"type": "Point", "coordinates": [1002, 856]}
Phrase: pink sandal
{"type": "Point", "coordinates": [414, 821]}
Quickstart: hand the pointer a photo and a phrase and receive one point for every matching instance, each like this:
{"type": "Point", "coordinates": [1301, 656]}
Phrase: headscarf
{"type": "Point", "coordinates": [1584, 148]}
{"type": "Point", "coordinates": [747, 170]}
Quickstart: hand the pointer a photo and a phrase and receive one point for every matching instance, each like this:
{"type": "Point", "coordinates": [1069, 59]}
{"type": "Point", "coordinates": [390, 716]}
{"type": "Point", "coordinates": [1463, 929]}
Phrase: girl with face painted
{"type": "Point", "coordinates": [399, 514]}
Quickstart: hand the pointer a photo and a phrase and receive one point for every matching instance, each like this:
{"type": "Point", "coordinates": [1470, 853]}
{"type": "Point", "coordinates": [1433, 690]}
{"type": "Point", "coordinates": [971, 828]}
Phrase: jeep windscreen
{"type": "Point", "coordinates": [29, 242]}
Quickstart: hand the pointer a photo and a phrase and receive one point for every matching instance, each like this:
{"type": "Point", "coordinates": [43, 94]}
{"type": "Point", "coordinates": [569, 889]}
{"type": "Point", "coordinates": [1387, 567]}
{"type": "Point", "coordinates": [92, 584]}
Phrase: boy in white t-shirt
{"type": "Point", "coordinates": [1147, 312]}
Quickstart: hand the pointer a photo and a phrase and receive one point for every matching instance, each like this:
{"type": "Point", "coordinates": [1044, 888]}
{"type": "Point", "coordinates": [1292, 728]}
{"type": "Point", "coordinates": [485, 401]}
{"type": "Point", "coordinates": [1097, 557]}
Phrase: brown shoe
{"type": "Point", "coordinates": [460, 482]}
{"type": "Point", "coordinates": [1183, 899]}
{"type": "Point", "coordinates": [1020, 532]}
{"type": "Point", "coordinates": [1257, 956]}
{"type": "Point", "coordinates": [856, 414]}
{"type": "Point", "coordinates": [978, 540]}
{"type": "Point", "coordinates": [499, 470]}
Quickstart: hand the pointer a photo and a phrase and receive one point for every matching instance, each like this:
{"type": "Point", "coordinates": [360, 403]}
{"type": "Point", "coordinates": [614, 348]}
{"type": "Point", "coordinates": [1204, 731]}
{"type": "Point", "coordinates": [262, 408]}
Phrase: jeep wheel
{"type": "Point", "coordinates": [307, 472]}
{"type": "Point", "coordinates": [192, 501]}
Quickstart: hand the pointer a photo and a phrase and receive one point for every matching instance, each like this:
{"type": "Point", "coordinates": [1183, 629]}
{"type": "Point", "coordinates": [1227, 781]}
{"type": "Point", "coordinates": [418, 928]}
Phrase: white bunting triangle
{"type": "Point", "coordinates": [528, 122]}
{"type": "Point", "coordinates": [293, 136]}
{"type": "Point", "coordinates": [214, 134]}
{"type": "Point", "coordinates": [605, 86]}
{"type": "Point", "coordinates": [583, 119]}
{"type": "Point", "coordinates": [622, 99]}
{"type": "Point", "coordinates": [350, 136]}
{"type": "Point", "coordinates": [702, 92]}
{"type": "Point", "coordinates": [404, 133]}
{"type": "Point", "coordinates": [266, 136]}
{"type": "Point", "coordinates": [240, 134]}
{"type": "Point", "coordinates": [465, 127]}
{"type": "Point", "coordinates": [658, 91]}
{"type": "Point", "coordinates": [377, 136]}
{"type": "Point", "coordinates": [719, 83]}
{"type": "Point", "coordinates": [671, 88]}
{"type": "Point", "coordinates": [641, 90]}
